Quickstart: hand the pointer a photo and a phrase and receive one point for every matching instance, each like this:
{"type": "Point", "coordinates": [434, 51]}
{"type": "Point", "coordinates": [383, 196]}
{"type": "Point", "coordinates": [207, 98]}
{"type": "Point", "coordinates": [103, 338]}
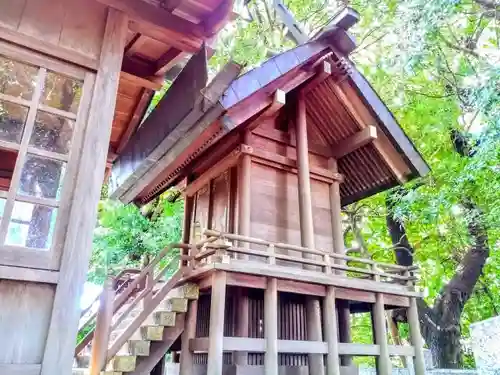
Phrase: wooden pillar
{"type": "Point", "coordinates": [186, 360]}
{"type": "Point", "coordinates": [344, 314]}
{"type": "Point", "coordinates": [244, 201]}
{"type": "Point", "coordinates": [216, 328]}
{"type": "Point", "coordinates": [60, 345]}
{"type": "Point", "coordinates": [102, 329]}
{"type": "Point", "coordinates": [313, 311]}
{"type": "Point", "coordinates": [271, 326]}
{"type": "Point", "coordinates": [331, 334]}
{"type": "Point", "coordinates": [380, 334]}
{"type": "Point", "coordinates": [416, 337]}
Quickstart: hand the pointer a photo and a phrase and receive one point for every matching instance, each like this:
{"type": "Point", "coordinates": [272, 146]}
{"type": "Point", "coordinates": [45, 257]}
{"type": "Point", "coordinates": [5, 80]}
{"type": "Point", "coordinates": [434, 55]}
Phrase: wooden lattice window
{"type": "Point", "coordinates": [41, 110]}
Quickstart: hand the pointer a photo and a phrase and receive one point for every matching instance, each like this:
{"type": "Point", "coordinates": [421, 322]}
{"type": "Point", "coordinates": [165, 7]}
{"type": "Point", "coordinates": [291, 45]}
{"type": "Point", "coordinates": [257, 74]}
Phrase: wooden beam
{"type": "Point", "coordinates": [58, 356]}
{"type": "Point", "coordinates": [141, 82]}
{"type": "Point", "coordinates": [331, 334]}
{"type": "Point", "coordinates": [354, 142]}
{"type": "Point", "coordinates": [226, 163]}
{"type": "Point", "coordinates": [416, 337]}
{"type": "Point", "coordinates": [290, 273]}
{"type": "Point", "coordinates": [218, 18]}
{"type": "Point", "coordinates": [271, 326]}
{"type": "Point", "coordinates": [278, 101]}
{"type": "Point", "coordinates": [135, 44]}
{"type": "Point", "coordinates": [216, 330]}
{"type": "Point", "coordinates": [29, 274]}
{"type": "Point", "coordinates": [322, 72]}
{"type": "Point", "coordinates": [135, 120]}
{"type": "Point", "coordinates": [170, 5]}
{"type": "Point", "coordinates": [168, 60]}
{"type": "Point", "coordinates": [354, 104]}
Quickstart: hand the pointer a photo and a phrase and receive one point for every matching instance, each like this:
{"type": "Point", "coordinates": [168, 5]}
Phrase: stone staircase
{"type": "Point", "coordinates": [146, 346]}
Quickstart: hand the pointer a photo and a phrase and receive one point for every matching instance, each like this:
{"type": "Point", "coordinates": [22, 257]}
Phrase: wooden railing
{"type": "Point", "coordinates": [312, 259]}
{"type": "Point", "coordinates": [147, 286]}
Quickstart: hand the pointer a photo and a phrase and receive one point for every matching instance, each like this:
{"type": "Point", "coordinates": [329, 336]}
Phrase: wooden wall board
{"type": "Point", "coordinates": [71, 30]}
{"type": "Point", "coordinates": [27, 307]}
{"type": "Point", "coordinates": [220, 192]}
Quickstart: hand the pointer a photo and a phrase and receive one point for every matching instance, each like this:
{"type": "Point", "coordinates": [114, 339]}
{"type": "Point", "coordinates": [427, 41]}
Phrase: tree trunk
{"type": "Point", "coordinates": [440, 324]}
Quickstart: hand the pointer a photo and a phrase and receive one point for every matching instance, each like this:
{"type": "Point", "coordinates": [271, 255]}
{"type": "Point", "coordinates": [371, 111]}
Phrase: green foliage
{"type": "Point", "coordinates": [124, 235]}
{"type": "Point", "coordinates": [436, 64]}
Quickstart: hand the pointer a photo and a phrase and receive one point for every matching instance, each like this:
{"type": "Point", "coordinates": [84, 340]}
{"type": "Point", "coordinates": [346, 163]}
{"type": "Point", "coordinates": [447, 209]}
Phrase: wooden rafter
{"type": "Point", "coordinates": [168, 60]}
{"type": "Point", "coordinates": [352, 143]}
{"type": "Point", "coordinates": [142, 82]}
{"type": "Point", "coordinates": [139, 110]}
{"type": "Point", "coordinates": [324, 71]}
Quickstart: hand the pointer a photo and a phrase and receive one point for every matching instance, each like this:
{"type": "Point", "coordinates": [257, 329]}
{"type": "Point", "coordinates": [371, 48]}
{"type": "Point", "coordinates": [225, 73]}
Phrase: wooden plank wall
{"type": "Point", "coordinates": [72, 26]}
{"type": "Point", "coordinates": [26, 308]}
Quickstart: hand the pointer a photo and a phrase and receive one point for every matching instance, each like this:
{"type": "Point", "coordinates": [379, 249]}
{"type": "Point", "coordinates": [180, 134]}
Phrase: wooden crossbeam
{"type": "Point", "coordinates": [323, 72]}
{"type": "Point", "coordinates": [354, 142]}
{"type": "Point", "coordinates": [139, 111]}
{"type": "Point", "coordinates": [168, 60]}
{"type": "Point", "coordinates": [279, 100]}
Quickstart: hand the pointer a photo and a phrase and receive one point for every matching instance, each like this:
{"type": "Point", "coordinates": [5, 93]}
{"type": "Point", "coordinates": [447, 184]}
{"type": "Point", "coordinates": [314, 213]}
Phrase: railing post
{"type": "Point", "coordinates": [102, 329]}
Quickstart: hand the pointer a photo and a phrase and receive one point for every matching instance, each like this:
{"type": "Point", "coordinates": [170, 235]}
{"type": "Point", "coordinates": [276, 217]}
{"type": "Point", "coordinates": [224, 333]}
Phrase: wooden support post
{"type": "Point", "coordinates": [244, 201]}
{"type": "Point", "coordinates": [416, 337]}
{"type": "Point", "coordinates": [380, 335]}
{"type": "Point", "coordinates": [313, 311]}
{"type": "Point", "coordinates": [186, 360]}
{"type": "Point", "coordinates": [271, 326]}
{"type": "Point", "coordinates": [102, 329]}
{"type": "Point", "coordinates": [241, 358]}
{"type": "Point", "coordinates": [216, 328]}
{"type": "Point", "coordinates": [344, 322]}
{"type": "Point", "coordinates": [344, 313]}
{"type": "Point", "coordinates": [60, 345]}
{"type": "Point", "coordinates": [331, 334]}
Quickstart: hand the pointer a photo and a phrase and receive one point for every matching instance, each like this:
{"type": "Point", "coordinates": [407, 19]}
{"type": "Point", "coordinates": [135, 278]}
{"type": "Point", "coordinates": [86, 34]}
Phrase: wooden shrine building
{"type": "Point", "coordinates": [76, 77]}
{"type": "Point", "coordinates": [265, 162]}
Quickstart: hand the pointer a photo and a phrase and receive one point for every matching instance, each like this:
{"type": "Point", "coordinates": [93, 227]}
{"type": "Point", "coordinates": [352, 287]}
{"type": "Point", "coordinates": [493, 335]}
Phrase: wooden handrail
{"type": "Point", "coordinates": [90, 335]}
{"type": "Point", "coordinates": [375, 269]}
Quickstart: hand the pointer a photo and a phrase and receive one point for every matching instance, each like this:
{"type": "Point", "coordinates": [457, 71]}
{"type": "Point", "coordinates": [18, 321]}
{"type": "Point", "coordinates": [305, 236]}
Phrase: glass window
{"type": "Point", "coordinates": [12, 120]}
{"type": "Point", "coordinates": [41, 177]}
{"type": "Point", "coordinates": [52, 133]}
{"type": "Point", "coordinates": [62, 92]}
{"type": "Point", "coordinates": [7, 165]}
{"type": "Point", "coordinates": [31, 225]}
{"type": "Point", "coordinates": [17, 79]}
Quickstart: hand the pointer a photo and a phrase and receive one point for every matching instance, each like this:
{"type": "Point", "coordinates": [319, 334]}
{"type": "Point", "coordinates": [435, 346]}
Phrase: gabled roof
{"type": "Point", "coordinates": [342, 108]}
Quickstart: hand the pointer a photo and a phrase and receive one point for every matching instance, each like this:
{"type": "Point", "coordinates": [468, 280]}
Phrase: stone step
{"type": "Point", "coordinates": [138, 348]}
{"type": "Point", "coordinates": [174, 304]}
{"type": "Point", "coordinates": [188, 291]}
{"type": "Point", "coordinates": [152, 333]}
{"type": "Point", "coordinates": [122, 363]}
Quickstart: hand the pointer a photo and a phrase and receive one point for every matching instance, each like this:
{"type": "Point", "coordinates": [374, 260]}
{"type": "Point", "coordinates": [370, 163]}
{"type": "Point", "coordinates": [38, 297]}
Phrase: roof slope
{"type": "Point", "coordinates": [340, 105]}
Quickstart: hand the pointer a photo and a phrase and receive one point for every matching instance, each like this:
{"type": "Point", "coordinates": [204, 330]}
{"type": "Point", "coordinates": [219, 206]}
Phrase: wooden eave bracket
{"type": "Point", "coordinates": [278, 101]}
{"type": "Point", "coordinates": [323, 71]}
{"type": "Point", "coordinates": [354, 142]}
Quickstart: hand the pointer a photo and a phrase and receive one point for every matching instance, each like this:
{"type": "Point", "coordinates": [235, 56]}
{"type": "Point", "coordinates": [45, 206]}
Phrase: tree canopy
{"type": "Point", "coordinates": [436, 64]}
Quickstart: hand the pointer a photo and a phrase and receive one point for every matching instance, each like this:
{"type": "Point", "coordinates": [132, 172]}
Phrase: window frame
{"type": "Point", "coordinates": [22, 255]}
